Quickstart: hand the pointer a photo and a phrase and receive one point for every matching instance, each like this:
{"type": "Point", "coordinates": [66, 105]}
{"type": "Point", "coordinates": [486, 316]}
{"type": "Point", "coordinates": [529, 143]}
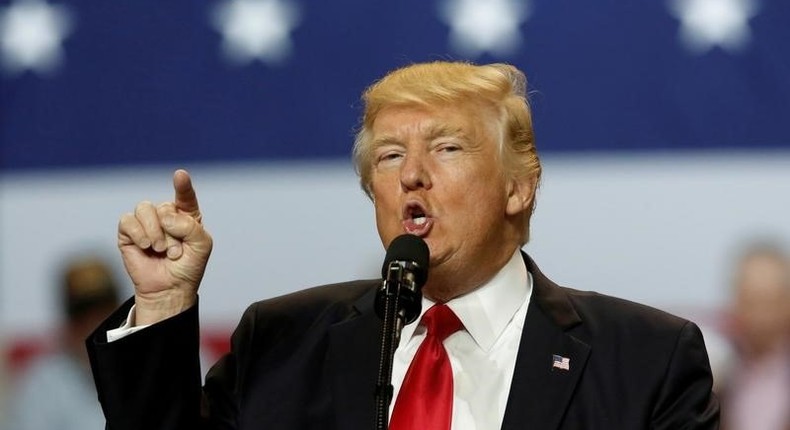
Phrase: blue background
{"type": "Point", "coordinates": [145, 82]}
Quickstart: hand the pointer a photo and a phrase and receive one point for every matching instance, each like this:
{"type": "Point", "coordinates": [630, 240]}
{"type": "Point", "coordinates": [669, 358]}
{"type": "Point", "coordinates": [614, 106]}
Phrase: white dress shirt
{"type": "Point", "coordinates": [483, 354]}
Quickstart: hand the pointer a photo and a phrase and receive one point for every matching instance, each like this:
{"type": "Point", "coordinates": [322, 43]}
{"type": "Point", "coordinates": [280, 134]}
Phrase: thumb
{"type": "Point", "coordinates": [185, 228]}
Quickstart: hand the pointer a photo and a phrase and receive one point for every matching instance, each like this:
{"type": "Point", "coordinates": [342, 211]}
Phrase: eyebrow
{"type": "Point", "coordinates": [444, 130]}
{"type": "Point", "coordinates": [385, 140]}
{"type": "Point", "coordinates": [434, 131]}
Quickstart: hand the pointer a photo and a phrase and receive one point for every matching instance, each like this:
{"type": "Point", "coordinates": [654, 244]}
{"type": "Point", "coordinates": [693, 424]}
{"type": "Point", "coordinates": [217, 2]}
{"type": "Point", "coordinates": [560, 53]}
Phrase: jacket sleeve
{"type": "Point", "coordinates": [686, 400]}
{"type": "Point", "coordinates": [149, 380]}
{"type": "Point", "coordinates": [222, 392]}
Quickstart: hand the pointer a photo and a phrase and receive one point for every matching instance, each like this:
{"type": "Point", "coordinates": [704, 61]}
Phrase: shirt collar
{"type": "Point", "coordinates": [486, 311]}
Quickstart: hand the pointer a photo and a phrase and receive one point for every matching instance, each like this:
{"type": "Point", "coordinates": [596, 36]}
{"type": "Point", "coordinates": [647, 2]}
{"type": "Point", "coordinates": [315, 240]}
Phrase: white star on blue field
{"type": "Point", "coordinates": [706, 24]}
{"type": "Point", "coordinates": [484, 26]}
{"type": "Point", "coordinates": [31, 36]}
{"type": "Point", "coordinates": [256, 29]}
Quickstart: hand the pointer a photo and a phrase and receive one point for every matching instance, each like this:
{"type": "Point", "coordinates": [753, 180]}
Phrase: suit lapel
{"type": "Point", "coordinates": [540, 392]}
{"type": "Point", "coordinates": [353, 362]}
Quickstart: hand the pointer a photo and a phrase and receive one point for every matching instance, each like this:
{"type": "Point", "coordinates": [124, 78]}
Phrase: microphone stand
{"type": "Point", "coordinates": [400, 300]}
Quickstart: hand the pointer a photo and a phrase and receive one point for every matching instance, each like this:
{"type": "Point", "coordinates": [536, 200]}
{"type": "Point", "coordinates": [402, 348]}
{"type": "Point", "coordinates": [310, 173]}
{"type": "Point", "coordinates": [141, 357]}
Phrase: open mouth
{"type": "Point", "coordinates": [416, 219]}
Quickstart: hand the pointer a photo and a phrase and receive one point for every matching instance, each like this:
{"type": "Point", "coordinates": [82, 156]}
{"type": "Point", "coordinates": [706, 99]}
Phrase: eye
{"type": "Point", "coordinates": [390, 156]}
{"type": "Point", "coordinates": [448, 147]}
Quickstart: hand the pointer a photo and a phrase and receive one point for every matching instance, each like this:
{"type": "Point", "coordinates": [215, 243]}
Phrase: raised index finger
{"type": "Point", "coordinates": [186, 199]}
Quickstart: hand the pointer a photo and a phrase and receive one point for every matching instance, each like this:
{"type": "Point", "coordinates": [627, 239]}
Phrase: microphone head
{"type": "Point", "coordinates": [411, 248]}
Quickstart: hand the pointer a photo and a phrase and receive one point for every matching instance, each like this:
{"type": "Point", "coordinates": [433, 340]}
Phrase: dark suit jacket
{"type": "Point", "coordinates": [309, 360]}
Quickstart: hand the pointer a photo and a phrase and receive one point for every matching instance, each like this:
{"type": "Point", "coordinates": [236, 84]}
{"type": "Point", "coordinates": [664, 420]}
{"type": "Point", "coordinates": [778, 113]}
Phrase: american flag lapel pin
{"type": "Point", "coordinates": [560, 362]}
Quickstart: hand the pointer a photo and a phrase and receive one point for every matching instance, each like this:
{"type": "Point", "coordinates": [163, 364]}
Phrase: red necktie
{"type": "Point", "coordinates": [425, 400]}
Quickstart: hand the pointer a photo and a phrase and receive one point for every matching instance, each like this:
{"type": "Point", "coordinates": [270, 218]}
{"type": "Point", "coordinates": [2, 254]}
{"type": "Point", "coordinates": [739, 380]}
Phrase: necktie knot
{"type": "Point", "coordinates": [440, 321]}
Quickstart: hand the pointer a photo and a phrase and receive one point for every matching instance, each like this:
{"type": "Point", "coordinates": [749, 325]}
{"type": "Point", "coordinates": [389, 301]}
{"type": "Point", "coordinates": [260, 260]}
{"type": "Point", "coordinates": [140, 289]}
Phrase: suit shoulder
{"type": "Point", "coordinates": [338, 298]}
{"type": "Point", "coordinates": [595, 308]}
{"type": "Point", "coordinates": [647, 337]}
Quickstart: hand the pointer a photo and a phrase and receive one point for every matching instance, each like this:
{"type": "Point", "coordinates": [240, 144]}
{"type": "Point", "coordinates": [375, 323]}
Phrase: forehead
{"type": "Point", "coordinates": [469, 121]}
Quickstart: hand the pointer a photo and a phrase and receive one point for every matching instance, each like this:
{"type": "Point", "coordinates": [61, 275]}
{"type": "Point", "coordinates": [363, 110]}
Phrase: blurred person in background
{"type": "Point", "coordinates": [3, 380]}
{"type": "Point", "coordinates": [756, 391]}
{"type": "Point", "coordinates": [57, 391]}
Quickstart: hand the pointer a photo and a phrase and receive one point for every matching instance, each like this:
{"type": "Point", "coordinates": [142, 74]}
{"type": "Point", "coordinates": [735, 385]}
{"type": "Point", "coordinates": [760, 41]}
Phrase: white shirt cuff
{"type": "Point", "coordinates": [126, 329]}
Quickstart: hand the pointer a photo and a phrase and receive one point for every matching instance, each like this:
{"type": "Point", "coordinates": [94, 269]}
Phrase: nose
{"type": "Point", "coordinates": [414, 173]}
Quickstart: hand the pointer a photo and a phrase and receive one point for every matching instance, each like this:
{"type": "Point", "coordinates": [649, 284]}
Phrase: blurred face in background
{"type": "Point", "coordinates": [761, 308]}
{"type": "Point", "coordinates": [89, 295]}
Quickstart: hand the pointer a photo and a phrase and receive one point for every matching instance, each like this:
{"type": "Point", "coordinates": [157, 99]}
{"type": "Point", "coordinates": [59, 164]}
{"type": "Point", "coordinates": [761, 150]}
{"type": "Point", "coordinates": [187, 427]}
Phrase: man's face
{"type": "Point", "coordinates": [436, 174]}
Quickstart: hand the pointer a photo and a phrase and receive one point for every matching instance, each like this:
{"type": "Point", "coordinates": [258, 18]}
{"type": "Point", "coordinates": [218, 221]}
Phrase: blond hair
{"type": "Point", "coordinates": [442, 83]}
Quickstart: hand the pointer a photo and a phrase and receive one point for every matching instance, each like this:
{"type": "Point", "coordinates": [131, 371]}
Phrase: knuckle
{"type": "Point", "coordinates": [142, 208]}
{"type": "Point", "coordinates": [127, 222]}
{"type": "Point", "coordinates": [170, 221]}
{"type": "Point", "coordinates": [166, 206]}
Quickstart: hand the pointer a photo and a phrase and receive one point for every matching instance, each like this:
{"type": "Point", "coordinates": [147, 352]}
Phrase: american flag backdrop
{"type": "Point", "coordinates": [116, 83]}
{"type": "Point", "coordinates": [663, 126]}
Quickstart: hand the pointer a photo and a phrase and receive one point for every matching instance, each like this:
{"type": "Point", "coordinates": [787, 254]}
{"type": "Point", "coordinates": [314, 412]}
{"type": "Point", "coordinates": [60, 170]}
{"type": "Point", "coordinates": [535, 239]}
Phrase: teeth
{"type": "Point", "coordinates": [420, 220]}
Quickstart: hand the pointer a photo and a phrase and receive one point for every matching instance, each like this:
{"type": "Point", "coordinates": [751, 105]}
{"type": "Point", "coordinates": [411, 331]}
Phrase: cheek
{"type": "Point", "coordinates": [386, 226]}
{"type": "Point", "coordinates": [479, 197]}
{"type": "Point", "coordinates": [387, 211]}
{"type": "Point", "coordinates": [470, 213]}
{"type": "Point", "coordinates": [384, 183]}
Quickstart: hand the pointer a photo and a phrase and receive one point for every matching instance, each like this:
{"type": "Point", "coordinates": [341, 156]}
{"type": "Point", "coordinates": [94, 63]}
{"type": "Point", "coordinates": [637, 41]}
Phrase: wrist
{"type": "Point", "coordinates": [155, 307]}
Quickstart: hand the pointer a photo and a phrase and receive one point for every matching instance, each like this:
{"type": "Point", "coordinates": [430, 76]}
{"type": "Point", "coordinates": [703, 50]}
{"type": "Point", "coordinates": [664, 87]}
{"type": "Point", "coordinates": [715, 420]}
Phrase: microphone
{"type": "Point", "coordinates": [405, 266]}
{"type": "Point", "coordinates": [398, 302]}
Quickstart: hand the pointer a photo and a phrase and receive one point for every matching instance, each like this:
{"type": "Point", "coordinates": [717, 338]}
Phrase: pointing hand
{"type": "Point", "coordinates": [165, 250]}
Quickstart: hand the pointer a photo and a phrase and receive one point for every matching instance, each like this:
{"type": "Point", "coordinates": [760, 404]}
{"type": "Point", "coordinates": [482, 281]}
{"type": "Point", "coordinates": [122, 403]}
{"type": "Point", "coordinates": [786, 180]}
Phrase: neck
{"type": "Point", "coordinates": [445, 284]}
{"type": "Point", "coordinates": [444, 295]}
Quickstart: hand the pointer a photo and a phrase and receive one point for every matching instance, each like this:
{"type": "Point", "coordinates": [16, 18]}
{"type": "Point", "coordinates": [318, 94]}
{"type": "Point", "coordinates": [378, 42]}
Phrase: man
{"type": "Point", "coordinates": [447, 153]}
{"type": "Point", "coordinates": [757, 392]}
{"type": "Point", "coordinates": [57, 392]}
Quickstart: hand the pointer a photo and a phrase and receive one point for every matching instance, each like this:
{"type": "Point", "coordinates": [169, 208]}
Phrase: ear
{"type": "Point", "coordinates": [521, 193]}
